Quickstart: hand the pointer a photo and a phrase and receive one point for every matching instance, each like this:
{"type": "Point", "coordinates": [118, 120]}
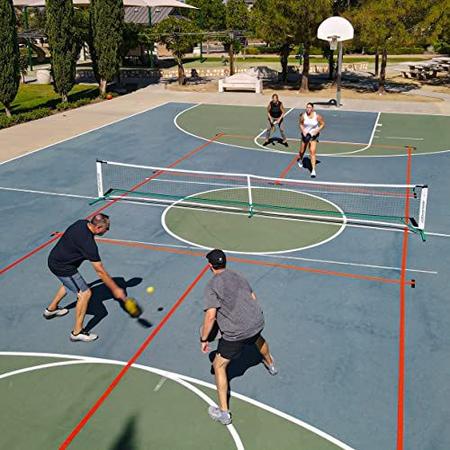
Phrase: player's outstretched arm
{"type": "Point", "coordinates": [116, 291]}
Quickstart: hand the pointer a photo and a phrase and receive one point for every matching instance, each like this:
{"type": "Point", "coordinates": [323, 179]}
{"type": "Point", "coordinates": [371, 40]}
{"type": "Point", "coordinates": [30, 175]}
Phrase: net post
{"type": "Point", "coordinates": [100, 190]}
{"type": "Point", "coordinates": [250, 197]}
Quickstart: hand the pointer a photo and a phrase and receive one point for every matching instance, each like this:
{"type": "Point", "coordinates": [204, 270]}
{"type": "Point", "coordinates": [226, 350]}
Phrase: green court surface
{"type": "Point", "coordinates": [233, 231]}
{"type": "Point", "coordinates": [149, 409]}
{"type": "Point", "coordinates": [243, 126]}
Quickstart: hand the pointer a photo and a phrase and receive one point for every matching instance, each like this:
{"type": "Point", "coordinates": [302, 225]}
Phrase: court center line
{"type": "Point", "coordinates": [110, 203]}
{"type": "Point", "coordinates": [294, 258]}
{"type": "Point", "coordinates": [132, 360]}
{"type": "Point", "coordinates": [402, 319]}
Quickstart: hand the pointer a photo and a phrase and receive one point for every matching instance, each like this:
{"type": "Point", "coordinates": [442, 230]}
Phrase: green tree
{"type": "Point", "coordinates": [291, 22]}
{"type": "Point", "coordinates": [63, 49]}
{"type": "Point", "coordinates": [106, 27]}
{"type": "Point", "coordinates": [9, 55]}
{"type": "Point", "coordinates": [236, 19]}
{"type": "Point", "coordinates": [210, 15]}
{"type": "Point", "coordinates": [309, 16]}
{"type": "Point", "coordinates": [273, 23]}
{"type": "Point", "coordinates": [388, 24]}
{"type": "Point", "coordinates": [179, 36]}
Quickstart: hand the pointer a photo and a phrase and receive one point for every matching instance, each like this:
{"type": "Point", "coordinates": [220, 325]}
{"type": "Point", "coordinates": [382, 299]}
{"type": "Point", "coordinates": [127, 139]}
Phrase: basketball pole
{"type": "Point", "coordinates": [339, 76]}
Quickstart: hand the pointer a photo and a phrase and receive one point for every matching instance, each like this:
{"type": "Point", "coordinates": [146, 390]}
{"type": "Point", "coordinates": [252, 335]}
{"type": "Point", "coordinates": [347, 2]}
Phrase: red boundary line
{"type": "Point", "coordinates": [110, 203]}
{"type": "Point", "coordinates": [402, 320]}
{"type": "Point", "coordinates": [132, 360]}
{"type": "Point", "coordinates": [288, 167]}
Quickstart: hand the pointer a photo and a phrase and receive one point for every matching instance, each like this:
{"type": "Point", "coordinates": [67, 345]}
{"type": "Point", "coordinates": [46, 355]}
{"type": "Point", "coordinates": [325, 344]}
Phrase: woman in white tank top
{"type": "Point", "coordinates": [310, 124]}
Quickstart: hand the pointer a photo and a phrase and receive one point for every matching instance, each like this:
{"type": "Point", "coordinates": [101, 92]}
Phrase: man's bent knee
{"type": "Point", "coordinates": [85, 295]}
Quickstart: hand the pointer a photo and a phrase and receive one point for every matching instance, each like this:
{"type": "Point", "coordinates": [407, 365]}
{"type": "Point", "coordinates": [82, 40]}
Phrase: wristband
{"type": "Point", "coordinates": [203, 340]}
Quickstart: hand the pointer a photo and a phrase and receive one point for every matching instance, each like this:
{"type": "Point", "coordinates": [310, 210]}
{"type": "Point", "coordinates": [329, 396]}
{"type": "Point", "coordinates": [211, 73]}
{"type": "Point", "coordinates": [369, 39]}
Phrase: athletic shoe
{"type": "Point", "coordinates": [266, 143]}
{"type": "Point", "coordinates": [58, 312]}
{"type": "Point", "coordinates": [83, 336]}
{"type": "Point", "coordinates": [313, 173]}
{"type": "Point", "coordinates": [216, 414]}
{"type": "Point", "coordinates": [300, 163]}
{"type": "Point", "coordinates": [285, 143]}
{"type": "Point", "coordinates": [271, 368]}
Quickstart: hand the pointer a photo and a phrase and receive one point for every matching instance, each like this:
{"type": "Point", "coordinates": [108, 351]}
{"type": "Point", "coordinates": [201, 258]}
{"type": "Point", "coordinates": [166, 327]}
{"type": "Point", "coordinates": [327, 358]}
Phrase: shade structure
{"type": "Point", "coordinates": [136, 3]}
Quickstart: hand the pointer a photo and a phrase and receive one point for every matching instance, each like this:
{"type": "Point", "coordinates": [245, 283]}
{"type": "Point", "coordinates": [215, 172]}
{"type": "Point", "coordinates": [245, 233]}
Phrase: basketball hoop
{"type": "Point", "coordinates": [336, 30]}
{"type": "Point", "coordinates": [333, 42]}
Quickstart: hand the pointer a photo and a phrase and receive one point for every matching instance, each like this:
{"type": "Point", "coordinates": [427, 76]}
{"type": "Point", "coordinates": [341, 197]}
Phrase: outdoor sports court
{"type": "Point", "coordinates": [355, 299]}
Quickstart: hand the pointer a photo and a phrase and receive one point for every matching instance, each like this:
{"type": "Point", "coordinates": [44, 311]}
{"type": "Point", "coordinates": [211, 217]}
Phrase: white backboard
{"type": "Point", "coordinates": [335, 26]}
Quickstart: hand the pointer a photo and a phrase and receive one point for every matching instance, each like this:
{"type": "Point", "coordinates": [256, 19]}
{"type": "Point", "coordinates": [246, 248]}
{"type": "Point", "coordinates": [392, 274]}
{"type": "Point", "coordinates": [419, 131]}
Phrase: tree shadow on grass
{"type": "Point", "coordinates": [91, 93]}
{"type": "Point", "coordinates": [101, 294]}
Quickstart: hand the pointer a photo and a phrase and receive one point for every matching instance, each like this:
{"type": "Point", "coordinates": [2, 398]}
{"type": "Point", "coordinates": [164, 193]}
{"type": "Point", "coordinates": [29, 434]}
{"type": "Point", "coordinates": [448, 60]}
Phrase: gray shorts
{"type": "Point", "coordinates": [74, 283]}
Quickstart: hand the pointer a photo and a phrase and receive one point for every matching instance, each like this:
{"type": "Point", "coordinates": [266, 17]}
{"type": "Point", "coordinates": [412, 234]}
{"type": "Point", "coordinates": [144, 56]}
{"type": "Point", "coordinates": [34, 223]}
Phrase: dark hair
{"type": "Point", "coordinates": [309, 103]}
{"type": "Point", "coordinates": [100, 220]}
{"type": "Point", "coordinates": [217, 259]}
{"type": "Point", "coordinates": [276, 95]}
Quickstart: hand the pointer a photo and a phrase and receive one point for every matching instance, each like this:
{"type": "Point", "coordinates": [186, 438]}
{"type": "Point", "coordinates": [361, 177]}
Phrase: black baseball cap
{"type": "Point", "coordinates": [217, 258]}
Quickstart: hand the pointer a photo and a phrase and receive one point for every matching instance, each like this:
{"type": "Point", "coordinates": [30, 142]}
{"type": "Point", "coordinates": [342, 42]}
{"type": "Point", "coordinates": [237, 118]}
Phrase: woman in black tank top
{"type": "Point", "coordinates": [275, 115]}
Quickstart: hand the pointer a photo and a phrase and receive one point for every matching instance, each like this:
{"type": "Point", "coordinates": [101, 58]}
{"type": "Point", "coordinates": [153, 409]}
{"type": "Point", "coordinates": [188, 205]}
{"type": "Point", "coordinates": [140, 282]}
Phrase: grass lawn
{"type": "Point", "coordinates": [33, 96]}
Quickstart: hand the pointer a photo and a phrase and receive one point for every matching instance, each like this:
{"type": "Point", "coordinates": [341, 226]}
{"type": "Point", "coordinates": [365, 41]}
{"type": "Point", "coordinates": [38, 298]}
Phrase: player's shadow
{"type": "Point", "coordinates": [127, 438]}
{"type": "Point", "coordinates": [276, 140]}
{"type": "Point", "coordinates": [101, 294]}
{"type": "Point", "coordinates": [307, 163]}
{"type": "Point", "coordinates": [249, 357]}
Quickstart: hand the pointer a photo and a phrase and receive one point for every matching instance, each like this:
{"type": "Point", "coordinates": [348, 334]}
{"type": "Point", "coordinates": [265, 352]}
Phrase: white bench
{"type": "Point", "coordinates": [241, 81]}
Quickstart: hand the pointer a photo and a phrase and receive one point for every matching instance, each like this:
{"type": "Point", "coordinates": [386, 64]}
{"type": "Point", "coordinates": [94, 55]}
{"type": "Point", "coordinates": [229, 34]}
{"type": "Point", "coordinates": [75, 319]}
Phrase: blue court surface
{"type": "Point", "coordinates": [363, 355]}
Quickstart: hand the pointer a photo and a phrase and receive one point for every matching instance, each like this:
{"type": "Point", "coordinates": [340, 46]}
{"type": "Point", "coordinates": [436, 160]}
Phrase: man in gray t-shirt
{"type": "Point", "coordinates": [231, 304]}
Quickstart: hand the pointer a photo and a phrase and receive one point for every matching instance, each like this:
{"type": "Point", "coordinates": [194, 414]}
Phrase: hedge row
{"type": "Point", "coordinates": [39, 113]}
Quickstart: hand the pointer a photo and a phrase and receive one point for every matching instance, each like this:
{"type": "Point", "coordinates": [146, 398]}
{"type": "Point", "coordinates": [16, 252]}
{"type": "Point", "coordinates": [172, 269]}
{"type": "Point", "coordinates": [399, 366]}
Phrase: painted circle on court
{"type": "Point", "coordinates": [224, 222]}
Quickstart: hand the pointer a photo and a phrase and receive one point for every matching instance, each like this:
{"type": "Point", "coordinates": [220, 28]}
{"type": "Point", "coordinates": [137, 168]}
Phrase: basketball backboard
{"type": "Point", "coordinates": [337, 27]}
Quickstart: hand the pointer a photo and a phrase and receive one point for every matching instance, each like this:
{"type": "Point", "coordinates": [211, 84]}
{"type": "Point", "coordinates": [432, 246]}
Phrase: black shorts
{"type": "Point", "coordinates": [233, 349]}
{"type": "Point", "coordinates": [308, 138]}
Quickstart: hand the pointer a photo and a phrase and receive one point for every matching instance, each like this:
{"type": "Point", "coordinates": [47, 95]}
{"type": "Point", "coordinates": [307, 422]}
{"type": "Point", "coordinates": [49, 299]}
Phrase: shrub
{"type": "Point", "coordinates": [24, 117]}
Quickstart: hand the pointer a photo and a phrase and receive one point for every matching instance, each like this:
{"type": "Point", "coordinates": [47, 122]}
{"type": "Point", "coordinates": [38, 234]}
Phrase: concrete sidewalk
{"type": "Point", "coordinates": [28, 137]}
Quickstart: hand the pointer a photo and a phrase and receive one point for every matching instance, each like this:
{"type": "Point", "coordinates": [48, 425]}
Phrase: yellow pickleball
{"type": "Point", "coordinates": [150, 290]}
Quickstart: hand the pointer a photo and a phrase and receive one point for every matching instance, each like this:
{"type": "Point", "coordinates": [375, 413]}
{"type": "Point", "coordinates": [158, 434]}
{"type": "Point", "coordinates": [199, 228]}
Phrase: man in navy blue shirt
{"type": "Point", "coordinates": [76, 245]}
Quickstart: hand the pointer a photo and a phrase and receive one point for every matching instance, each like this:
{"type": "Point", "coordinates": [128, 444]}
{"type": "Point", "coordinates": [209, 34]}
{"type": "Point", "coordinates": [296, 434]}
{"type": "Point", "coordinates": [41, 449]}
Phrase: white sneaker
{"type": "Point", "coordinates": [83, 336]}
{"type": "Point", "coordinates": [313, 173]}
{"type": "Point", "coordinates": [58, 312]}
{"type": "Point", "coordinates": [300, 163]}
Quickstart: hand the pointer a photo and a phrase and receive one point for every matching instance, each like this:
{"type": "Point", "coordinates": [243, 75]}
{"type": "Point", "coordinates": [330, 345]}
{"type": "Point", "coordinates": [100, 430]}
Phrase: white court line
{"type": "Point", "coordinates": [90, 360]}
{"type": "Point", "coordinates": [437, 234]}
{"type": "Point", "coordinates": [84, 132]}
{"type": "Point", "coordinates": [179, 378]}
{"type": "Point", "coordinates": [179, 238]}
{"type": "Point", "coordinates": [57, 194]}
{"type": "Point", "coordinates": [327, 155]}
{"type": "Point", "coordinates": [404, 138]}
{"type": "Point", "coordinates": [370, 140]}
{"type": "Point", "coordinates": [160, 384]}
{"type": "Point", "coordinates": [296, 258]}
{"type": "Point", "coordinates": [39, 367]}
